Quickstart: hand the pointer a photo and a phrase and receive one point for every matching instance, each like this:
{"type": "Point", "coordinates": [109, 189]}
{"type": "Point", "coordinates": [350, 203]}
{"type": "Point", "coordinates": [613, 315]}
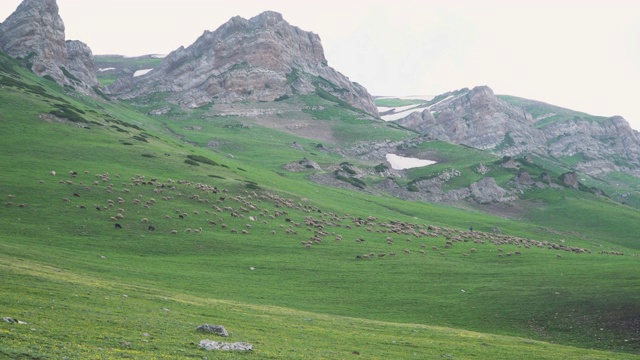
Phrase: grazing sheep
{"type": "Point", "coordinates": [144, 220]}
{"type": "Point", "coordinates": [52, 173]}
{"type": "Point", "coordinates": [113, 218]}
{"type": "Point", "coordinates": [187, 230]}
{"type": "Point", "coordinates": [173, 232]}
{"type": "Point", "coordinates": [118, 226]}
{"type": "Point", "coordinates": [558, 256]}
{"type": "Point", "coordinates": [8, 203]}
{"type": "Point", "coordinates": [152, 228]}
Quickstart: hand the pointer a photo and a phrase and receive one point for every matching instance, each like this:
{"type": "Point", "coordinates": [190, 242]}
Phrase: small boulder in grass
{"type": "Point", "coordinates": [213, 329]}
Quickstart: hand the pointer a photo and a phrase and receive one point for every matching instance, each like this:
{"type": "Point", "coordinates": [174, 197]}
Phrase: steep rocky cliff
{"type": "Point", "coordinates": [35, 33]}
{"type": "Point", "coordinates": [480, 119]}
{"type": "Point", "coordinates": [260, 59]}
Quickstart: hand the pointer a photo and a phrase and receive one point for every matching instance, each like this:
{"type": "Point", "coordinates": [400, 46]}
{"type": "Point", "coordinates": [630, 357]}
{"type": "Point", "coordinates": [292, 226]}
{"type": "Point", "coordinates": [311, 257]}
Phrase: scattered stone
{"type": "Point", "coordinates": [214, 329]}
{"type": "Point", "coordinates": [214, 345]}
{"type": "Point", "coordinates": [13, 321]}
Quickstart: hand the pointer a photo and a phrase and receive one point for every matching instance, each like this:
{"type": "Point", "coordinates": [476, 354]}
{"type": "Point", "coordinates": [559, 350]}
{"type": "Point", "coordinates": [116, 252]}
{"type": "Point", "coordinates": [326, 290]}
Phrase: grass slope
{"type": "Point", "coordinates": [89, 290]}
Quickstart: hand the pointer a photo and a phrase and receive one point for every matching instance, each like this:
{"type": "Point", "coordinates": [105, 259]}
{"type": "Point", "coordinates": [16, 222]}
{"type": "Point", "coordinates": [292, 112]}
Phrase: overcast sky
{"type": "Point", "coordinates": [583, 55]}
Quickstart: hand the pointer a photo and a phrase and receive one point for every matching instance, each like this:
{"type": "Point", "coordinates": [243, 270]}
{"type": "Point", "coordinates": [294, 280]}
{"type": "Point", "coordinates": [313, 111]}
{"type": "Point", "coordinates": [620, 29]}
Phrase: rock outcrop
{"type": "Point", "coordinates": [260, 59]}
{"type": "Point", "coordinates": [35, 33]}
{"type": "Point", "coordinates": [480, 119]}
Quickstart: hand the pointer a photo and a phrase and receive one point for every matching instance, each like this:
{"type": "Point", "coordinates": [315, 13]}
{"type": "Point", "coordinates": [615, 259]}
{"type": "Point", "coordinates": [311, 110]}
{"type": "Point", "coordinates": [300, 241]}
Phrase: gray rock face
{"type": "Point", "coordinates": [80, 62]}
{"type": "Point", "coordinates": [35, 32]}
{"type": "Point", "coordinates": [479, 119]}
{"type": "Point", "coordinates": [260, 59]}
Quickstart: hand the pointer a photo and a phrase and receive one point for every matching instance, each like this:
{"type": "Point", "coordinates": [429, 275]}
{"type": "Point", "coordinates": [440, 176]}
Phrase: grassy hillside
{"type": "Point", "coordinates": [291, 266]}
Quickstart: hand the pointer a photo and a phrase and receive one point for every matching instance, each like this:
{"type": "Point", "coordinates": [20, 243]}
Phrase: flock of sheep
{"type": "Point", "coordinates": [220, 211]}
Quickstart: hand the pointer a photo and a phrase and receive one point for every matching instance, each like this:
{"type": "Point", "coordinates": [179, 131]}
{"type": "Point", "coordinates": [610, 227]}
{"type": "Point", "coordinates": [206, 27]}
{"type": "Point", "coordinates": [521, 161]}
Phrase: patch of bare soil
{"type": "Point", "coordinates": [281, 117]}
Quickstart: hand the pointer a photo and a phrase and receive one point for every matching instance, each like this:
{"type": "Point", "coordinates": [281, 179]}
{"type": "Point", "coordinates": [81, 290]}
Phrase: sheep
{"type": "Point", "coordinates": [152, 228]}
{"type": "Point", "coordinates": [53, 173]}
{"type": "Point", "coordinates": [173, 232]}
{"type": "Point", "coordinates": [118, 226]}
{"type": "Point", "coordinates": [9, 203]}
{"type": "Point", "coordinates": [113, 218]}
{"type": "Point", "coordinates": [187, 230]}
{"type": "Point", "coordinates": [167, 217]}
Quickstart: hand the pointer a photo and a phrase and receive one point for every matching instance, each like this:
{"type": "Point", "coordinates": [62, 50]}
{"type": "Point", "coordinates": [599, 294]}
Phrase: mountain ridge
{"type": "Point", "coordinates": [35, 32]}
{"type": "Point", "coordinates": [263, 58]}
{"type": "Point", "coordinates": [480, 119]}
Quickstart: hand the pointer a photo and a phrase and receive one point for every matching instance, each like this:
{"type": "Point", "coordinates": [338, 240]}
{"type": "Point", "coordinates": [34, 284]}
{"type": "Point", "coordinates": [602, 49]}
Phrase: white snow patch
{"type": "Point", "coordinates": [401, 115]}
{"type": "Point", "coordinates": [445, 99]}
{"type": "Point", "coordinates": [159, 56]}
{"type": "Point", "coordinates": [106, 69]}
{"type": "Point", "coordinates": [141, 72]}
{"type": "Point", "coordinates": [401, 163]}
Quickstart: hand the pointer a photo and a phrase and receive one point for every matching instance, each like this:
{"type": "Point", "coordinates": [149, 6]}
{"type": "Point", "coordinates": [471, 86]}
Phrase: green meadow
{"type": "Point", "coordinates": [297, 269]}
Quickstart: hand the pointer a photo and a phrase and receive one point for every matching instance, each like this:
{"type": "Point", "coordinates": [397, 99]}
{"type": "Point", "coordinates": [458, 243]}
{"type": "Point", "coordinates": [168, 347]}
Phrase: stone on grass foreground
{"type": "Point", "coordinates": [214, 329]}
{"type": "Point", "coordinates": [214, 345]}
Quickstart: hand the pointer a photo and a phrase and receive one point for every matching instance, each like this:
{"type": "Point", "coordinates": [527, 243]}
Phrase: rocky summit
{"type": "Point", "coordinates": [35, 33]}
{"type": "Point", "coordinates": [260, 59]}
{"type": "Point", "coordinates": [506, 126]}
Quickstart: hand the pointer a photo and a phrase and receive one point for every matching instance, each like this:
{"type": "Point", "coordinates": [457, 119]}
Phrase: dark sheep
{"type": "Point", "coordinates": [151, 228]}
{"type": "Point", "coordinates": [118, 226]}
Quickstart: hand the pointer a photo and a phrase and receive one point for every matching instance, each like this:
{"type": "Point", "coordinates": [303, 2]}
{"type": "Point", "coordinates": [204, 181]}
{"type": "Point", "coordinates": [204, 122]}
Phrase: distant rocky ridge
{"type": "Point", "coordinates": [35, 33]}
{"type": "Point", "coordinates": [480, 119]}
{"type": "Point", "coordinates": [260, 59]}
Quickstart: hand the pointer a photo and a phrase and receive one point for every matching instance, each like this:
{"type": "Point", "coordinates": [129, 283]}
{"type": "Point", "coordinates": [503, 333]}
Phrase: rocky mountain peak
{"type": "Point", "coordinates": [35, 33]}
{"type": "Point", "coordinates": [260, 59]}
{"type": "Point", "coordinates": [480, 119]}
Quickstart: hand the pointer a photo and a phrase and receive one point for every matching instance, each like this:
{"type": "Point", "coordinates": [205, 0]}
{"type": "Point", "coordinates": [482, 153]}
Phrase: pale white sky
{"type": "Point", "coordinates": [579, 54]}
